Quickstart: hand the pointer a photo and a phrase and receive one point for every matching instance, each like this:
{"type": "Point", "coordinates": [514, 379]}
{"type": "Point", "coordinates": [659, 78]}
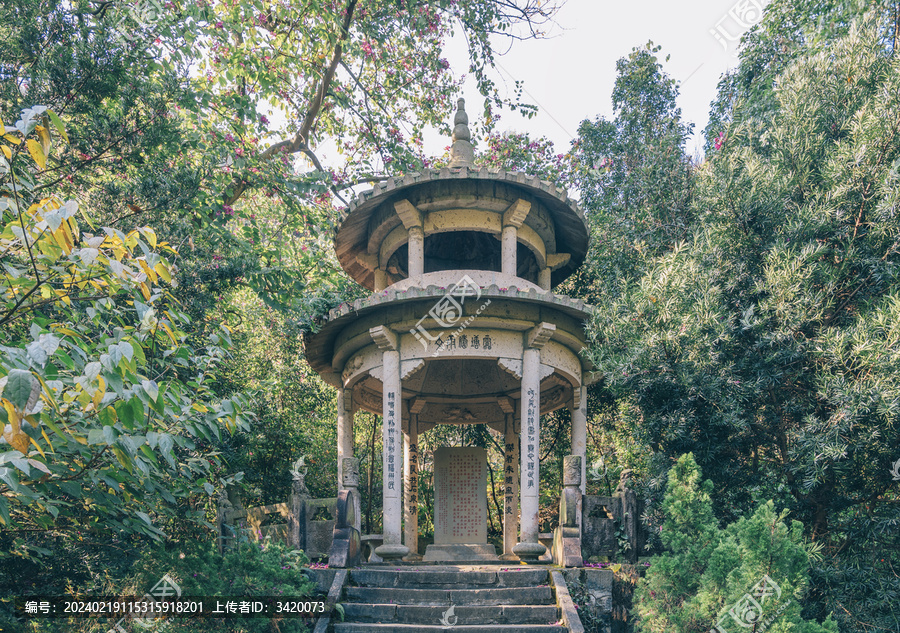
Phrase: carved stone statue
{"type": "Point", "coordinates": [351, 472]}
{"type": "Point", "coordinates": [624, 481]}
{"type": "Point", "coordinates": [572, 470]}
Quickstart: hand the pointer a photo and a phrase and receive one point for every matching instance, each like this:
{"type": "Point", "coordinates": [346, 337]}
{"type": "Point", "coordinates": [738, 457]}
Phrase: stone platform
{"type": "Point", "coordinates": [460, 552]}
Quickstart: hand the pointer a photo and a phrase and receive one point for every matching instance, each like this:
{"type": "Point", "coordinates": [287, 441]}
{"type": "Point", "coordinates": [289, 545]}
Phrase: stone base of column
{"type": "Point", "coordinates": [393, 552]}
{"type": "Point", "coordinates": [510, 557]}
{"type": "Point", "coordinates": [529, 552]}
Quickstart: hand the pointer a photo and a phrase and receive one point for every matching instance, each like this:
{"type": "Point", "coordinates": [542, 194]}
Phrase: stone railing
{"type": "Point", "coordinates": [302, 522]}
{"type": "Point", "coordinates": [612, 525]}
{"type": "Point", "coordinates": [313, 525]}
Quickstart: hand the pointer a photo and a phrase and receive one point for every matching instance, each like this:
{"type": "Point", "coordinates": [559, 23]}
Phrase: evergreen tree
{"type": "Point", "coordinates": [767, 344]}
{"type": "Point", "coordinates": [705, 578]}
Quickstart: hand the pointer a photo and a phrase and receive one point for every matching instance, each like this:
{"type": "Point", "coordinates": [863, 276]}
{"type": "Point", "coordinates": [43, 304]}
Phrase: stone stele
{"type": "Point", "coordinates": [460, 504]}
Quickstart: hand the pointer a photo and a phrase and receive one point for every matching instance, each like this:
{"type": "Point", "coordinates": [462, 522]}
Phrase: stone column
{"type": "Point", "coordinates": [510, 489]}
{"type": "Point", "coordinates": [579, 439]}
{"type": "Point", "coordinates": [344, 432]}
{"type": "Point", "coordinates": [513, 218]}
{"type": "Point", "coordinates": [351, 483]}
{"type": "Point", "coordinates": [411, 476]}
{"type": "Point", "coordinates": [392, 456]}
{"type": "Point", "coordinates": [416, 252]}
{"type": "Point", "coordinates": [381, 280]}
{"type": "Point", "coordinates": [529, 547]}
{"type": "Point", "coordinates": [508, 242]}
{"type": "Point", "coordinates": [544, 278]}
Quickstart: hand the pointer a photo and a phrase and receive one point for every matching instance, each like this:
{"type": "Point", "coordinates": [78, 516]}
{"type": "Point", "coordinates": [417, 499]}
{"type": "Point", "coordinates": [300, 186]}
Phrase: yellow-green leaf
{"type": "Point", "coordinates": [57, 122]}
{"type": "Point", "coordinates": [15, 140]}
{"type": "Point", "coordinates": [44, 135]}
{"type": "Point", "coordinates": [34, 148]}
{"type": "Point", "coordinates": [6, 152]}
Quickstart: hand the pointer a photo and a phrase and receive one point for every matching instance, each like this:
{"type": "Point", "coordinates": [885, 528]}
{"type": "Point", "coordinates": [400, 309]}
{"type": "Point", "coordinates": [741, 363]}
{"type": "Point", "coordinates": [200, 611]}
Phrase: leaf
{"type": "Point", "coordinates": [58, 124]}
{"type": "Point", "coordinates": [165, 447]}
{"type": "Point", "coordinates": [34, 148]}
{"type": "Point", "coordinates": [151, 388]}
{"type": "Point", "coordinates": [6, 152]}
{"type": "Point", "coordinates": [44, 136]}
{"type": "Point", "coordinates": [163, 272]}
{"type": "Point", "coordinates": [18, 389]}
{"type": "Point", "coordinates": [208, 487]}
{"type": "Point", "coordinates": [39, 465]}
{"type": "Point", "coordinates": [150, 235]}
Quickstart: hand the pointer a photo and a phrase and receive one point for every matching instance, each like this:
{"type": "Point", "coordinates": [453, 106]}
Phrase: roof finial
{"type": "Point", "coordinates": [462, 153]}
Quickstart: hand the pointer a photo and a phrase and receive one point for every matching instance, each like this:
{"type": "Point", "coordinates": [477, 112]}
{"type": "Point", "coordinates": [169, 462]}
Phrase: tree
{"type": "Point", "coordinates": [707, 574]}
{"type": "Point", "coordinates": [765, 345]}
{"type": "Point", "coordinates": [105, 407]}
{"type": "Point", "coordinates": [633, 175]}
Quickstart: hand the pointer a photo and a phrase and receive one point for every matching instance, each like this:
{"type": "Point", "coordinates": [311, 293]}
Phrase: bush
{"type": "Point", "coordinates": [248, 570]}
{"type": "Point", "coordinates": [753, 573]}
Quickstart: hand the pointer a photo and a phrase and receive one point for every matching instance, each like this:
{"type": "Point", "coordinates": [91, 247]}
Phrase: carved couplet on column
{"type": "Point", "coordinates": [392, 455]}
{"type": "Point", "coordinates": [411, 467]}
{"type": "Point", "coordinates": [510, 488]}
{"type": "Point", "coordinates": [529, 547]}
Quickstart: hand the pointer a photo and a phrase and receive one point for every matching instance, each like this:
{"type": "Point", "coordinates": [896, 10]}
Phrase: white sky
{"type": "Point", "coordinates": [570, 76]}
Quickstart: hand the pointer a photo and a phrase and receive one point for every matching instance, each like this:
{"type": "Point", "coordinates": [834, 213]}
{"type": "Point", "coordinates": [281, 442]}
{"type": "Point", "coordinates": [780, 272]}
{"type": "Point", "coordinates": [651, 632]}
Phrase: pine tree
{"type": "Point", "coordinates": [705, 578]}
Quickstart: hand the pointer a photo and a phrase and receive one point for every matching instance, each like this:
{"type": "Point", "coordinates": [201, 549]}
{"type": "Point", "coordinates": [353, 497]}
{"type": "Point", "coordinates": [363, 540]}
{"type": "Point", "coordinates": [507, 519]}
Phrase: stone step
{"type": "Point", "coordinates": [461, 615]}
{"type": "Point", "coordinates": [361, 627]}
{"type": "Point", "coordinates": [450, 578]}
{"type": "Point", "coordinates": [446, 597]}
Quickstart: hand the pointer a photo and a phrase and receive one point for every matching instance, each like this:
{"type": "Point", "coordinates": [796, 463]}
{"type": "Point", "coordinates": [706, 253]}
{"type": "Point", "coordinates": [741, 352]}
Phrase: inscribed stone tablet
{"type": "Point", "coordinates": [460, 495]}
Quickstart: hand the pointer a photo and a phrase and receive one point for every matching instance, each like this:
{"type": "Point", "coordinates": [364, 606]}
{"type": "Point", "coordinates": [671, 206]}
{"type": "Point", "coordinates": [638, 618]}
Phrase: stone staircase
{"type": "Point", "coordinates": [435, 598]}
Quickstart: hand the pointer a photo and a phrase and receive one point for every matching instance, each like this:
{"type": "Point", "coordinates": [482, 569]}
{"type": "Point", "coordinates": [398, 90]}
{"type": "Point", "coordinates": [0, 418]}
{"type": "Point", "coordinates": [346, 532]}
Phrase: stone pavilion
{"type": "Point", "coordinates": [462, 327]}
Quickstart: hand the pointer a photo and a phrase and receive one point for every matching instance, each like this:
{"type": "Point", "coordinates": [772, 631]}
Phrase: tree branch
{"type": "Point", "coordinates": [300, 142]}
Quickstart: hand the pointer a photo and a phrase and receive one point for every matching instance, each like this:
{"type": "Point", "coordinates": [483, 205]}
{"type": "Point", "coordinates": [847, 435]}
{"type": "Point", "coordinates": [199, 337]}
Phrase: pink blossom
{"type": "Point", "coordinates": [720, 140]}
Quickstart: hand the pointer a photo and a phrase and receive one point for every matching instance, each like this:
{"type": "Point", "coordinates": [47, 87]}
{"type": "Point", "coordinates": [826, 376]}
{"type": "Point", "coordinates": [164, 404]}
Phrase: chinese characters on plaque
{"type": "Point", "coordinates": [412, 486]}
{"type": "Point", "coordinates": [460, 495]}
{"type": "Point", "coordinates": [509, 478]}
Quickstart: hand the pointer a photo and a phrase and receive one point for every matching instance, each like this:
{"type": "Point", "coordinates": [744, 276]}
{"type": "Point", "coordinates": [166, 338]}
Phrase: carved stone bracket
{"type": "Point", "coordinates": [408, 213]}
{"type": "Point", "coordinates": [516, 213]}
{"type": "Point", "coordinates": [538, 336]}
{"type": "Point", "coordinates": [384, 338]}
{"type": "Point", "coordinates": [556, 260]}
{"type": "Point", "coordinates": [511, 366]}
{"type": "Point", "coordinates": [410, 367]}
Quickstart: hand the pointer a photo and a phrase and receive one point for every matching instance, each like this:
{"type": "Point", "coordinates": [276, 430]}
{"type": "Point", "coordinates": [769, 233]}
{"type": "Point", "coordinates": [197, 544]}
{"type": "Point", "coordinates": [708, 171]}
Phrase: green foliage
{"type": "Point", "coordinates": [103, 401]}
{"type": "Point", "coordinates": [634, 177]}
{"type": "Point", "coordinates": [765, 344]}
{"type": "Point", "coordinates": [709, 571]}
{"type": "Point", "coordinates": [244, 571]}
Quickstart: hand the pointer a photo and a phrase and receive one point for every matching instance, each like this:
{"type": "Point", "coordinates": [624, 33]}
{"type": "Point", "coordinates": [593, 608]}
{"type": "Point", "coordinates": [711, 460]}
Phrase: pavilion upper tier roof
{"type": "Point", "coordinates": [468, 185]}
